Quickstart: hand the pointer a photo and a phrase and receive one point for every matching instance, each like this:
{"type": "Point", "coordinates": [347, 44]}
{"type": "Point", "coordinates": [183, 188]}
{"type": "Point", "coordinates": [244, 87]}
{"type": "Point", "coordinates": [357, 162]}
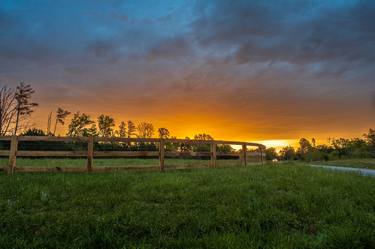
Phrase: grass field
{"type": "Point", "coordinates": [119, 162]}
{"type": "Point", "coordinates": [286, 206]}
{"type": "Point", "coordinates": [367, 163]}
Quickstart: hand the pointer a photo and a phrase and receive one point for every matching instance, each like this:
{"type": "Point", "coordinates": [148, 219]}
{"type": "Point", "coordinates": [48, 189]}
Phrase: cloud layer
{"type": "Point", "coordinates": [242, 69]}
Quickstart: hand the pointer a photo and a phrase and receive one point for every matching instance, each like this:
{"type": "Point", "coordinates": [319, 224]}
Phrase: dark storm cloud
{"type": "Point", "coordinates": [102, 48]}
{"type": "Point", "coordinates": [245, 31]}
{"type": "Point", "coordinates": [298, 32]}
{"type": "Point", "coordinates": [304, 60]}
{"type": "Point", "coordinates": [171, 49]}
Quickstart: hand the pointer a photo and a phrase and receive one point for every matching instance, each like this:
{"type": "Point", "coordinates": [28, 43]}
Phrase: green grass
{"type": "Point", "coordinates": [254, 207]}
{"type": "Point", "coordinates": [100, 162]}
{"type": "Point", "coordinates": [367, 163]}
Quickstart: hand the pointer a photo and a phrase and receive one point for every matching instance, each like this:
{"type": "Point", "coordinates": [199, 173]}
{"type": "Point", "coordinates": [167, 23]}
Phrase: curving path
{"type": "Point", "coordinates": [361, 171]}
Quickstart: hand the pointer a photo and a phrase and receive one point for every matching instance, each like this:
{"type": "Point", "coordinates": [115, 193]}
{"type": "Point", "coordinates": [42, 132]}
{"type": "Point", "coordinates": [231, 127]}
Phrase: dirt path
{"type": "Point", "coordinates": [365, 172]}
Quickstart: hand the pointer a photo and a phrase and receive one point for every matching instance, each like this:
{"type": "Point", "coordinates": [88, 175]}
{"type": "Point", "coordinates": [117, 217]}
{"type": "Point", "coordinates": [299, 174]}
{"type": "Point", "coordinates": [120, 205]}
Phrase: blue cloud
{"type": "Point", "coordinates": [317, 47]}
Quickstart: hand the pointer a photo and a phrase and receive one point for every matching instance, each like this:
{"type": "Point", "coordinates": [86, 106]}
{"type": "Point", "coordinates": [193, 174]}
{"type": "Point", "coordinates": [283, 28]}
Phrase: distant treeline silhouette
{"type": "Point", "coordinates": [341, 148]}
{"type": "Point", "coordinates": [115, 146]}
{"type": "Point", "coordinates": [16, 107]}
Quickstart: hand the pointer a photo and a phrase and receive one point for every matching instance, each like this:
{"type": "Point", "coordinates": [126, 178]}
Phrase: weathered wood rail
{"type": "Point", "coordinates": [90, 153]}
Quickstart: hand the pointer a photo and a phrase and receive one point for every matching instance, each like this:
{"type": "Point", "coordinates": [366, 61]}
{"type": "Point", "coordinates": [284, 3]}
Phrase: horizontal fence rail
{"type": "Point", "coordinates": [90, 152]}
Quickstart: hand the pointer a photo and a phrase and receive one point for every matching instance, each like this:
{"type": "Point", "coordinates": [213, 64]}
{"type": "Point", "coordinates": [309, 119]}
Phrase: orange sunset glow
{"type": "Point", "coordinates": [232, 77]}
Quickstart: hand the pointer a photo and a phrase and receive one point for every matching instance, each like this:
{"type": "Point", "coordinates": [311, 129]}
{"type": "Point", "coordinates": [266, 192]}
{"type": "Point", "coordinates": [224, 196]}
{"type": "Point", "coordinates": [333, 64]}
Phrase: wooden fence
{"type": "Point", "coordinates": [90, 153]}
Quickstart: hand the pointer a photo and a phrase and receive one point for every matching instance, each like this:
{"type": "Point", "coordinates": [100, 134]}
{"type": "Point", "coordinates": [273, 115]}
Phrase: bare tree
{"type": "Point", "coordinates": [24, 107]}
{"type": "Point", "coordinates": [145, 130]}
{"type": "Point", "coordinates": [49, 121]}
{"type": "Point", "coordinates": [61, 115]}
{"type": "Point", "coordinates": [7, 110]}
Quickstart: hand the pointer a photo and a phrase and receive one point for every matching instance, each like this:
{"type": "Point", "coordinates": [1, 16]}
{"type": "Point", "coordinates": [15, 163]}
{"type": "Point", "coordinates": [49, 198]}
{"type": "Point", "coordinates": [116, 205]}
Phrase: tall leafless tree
{"type": "Point", "coordinates": [49, 121]}
{"type": "Point", "coordinates": [7, 110]}
{"type": "Point", "coordinates": [24, 107]}
{"type": "Point", "coordinates": [61, 115]}
{"type": "Point", "coordinates": [145, 130]}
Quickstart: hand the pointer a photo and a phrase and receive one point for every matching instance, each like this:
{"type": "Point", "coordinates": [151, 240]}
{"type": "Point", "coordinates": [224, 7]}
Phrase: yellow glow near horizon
{"type": "Point", "coordinates": [278, 144]}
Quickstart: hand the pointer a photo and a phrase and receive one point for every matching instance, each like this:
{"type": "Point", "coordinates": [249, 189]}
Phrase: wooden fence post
{"type": "Point", "coordinates": [161, 154]}
{"type": "Point", "coordinates": [90, 153]}
{"type": "Point", "coordinates": [244, 154]}
{"type": "Point", "coordinates": [12, 154]}
{"type": "Point", "coordinates": [261, 154]}
{"type": "Point", "coordinates": [213, 154]}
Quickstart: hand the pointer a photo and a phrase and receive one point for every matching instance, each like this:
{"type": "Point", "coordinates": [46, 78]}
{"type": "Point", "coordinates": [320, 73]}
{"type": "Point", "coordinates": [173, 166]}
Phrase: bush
{"type": "Point", "coordinates": [316, 156]}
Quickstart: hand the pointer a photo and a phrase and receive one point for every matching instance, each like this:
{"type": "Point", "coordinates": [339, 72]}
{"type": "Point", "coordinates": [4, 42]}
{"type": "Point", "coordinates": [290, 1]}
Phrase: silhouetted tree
{"type": "Point", "coordinates": [203, 136]}
{"type": "Point", "coordinates": [340, 146]}
{"type": "Point", "coordinates": [304, 148]}
{"type": "Point", "coordinates": [271, 153]}
{"type": "Point", "coordinates": [24, 107]}
{"type": "Point", "coordinates": [313, 142]}
{"type": "Point", "coordinates": [224, 148]}
{"type": "Point", "coordinates": [61, 115]}
{"type": "Point", "coordinates": [8, 110]}
{"type": "Point", "coordinates": [347, 148]}
{"type": "Point", "coordinates": [287, 153]}
{"type": "Point", "coordinates": [163, 133]}
{"type": "Point", "coordinates": [202, 147]}
{"type": "Point", "coordinates": [92, 131]}
{"type": "Point", "coordinates": [106, 124]}
{"type": "Point", "coordinates": [131, 129]}
{"type": "Point", "coordinates": [49, 122]}
{"type": "Point", "coordinates": [78, 125]}
{"type": "Point", "coordinates": [145, 130]}
{"type": "Point", "coordinates": [370, 139]}
{"type": "Point", "coordinates": [122, 130]}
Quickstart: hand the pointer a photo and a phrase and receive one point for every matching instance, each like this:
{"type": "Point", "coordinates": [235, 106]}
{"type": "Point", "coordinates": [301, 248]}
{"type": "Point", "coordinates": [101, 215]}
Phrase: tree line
{"type": "Point", "coordinates": [16, 107]}
{"type": "Point", "coordinates": [337, 148]}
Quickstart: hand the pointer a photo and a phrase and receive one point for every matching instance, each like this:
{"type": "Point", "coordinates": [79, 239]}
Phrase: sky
{"type": "Point", "coordinates": [270, 71]}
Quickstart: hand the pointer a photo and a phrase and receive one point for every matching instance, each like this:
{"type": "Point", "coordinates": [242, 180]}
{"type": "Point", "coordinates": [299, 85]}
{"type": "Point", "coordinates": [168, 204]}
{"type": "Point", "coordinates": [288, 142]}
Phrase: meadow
{"type": "Point", "coordinates": [283, 206]}
{"type": "Point", "coordinates": [118, 162]}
